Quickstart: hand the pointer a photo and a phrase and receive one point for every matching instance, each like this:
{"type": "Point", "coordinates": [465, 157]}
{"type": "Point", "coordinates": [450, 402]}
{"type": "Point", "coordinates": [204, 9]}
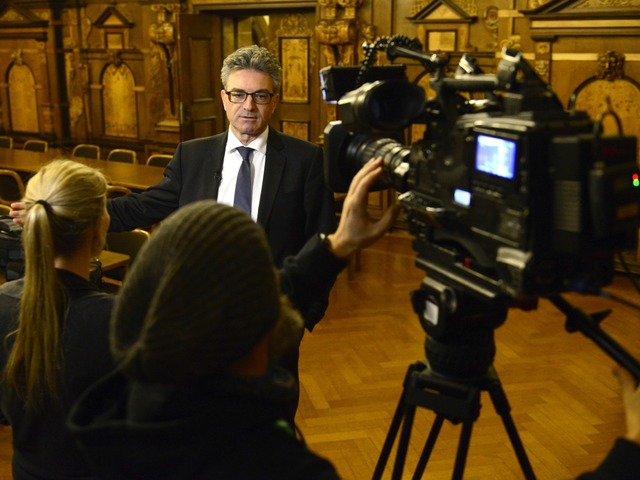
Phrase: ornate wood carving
{"type": "Point", "coordinates": [443, 25]}
{"type": "Point", "coordinates": [18, 22]}
{"type": "Point", "coordinates": [609, 87]}
{"type": "Point", "coordinates": [296, 57]}
{"type": "Point", "coordinates": [610, 66]}
{"type": "Point", "coordinates": [337, 40]}
{"type": "Point", "coordinates": [542, 62]}
{"type": "Point", "coordinates": [337, 31]}
{"type": "Point", "coordinates": [297, 129]}
{"type": "Point", "coordinates": [162, 84]}
{"type": "Point", "coordinates": [115, 28]}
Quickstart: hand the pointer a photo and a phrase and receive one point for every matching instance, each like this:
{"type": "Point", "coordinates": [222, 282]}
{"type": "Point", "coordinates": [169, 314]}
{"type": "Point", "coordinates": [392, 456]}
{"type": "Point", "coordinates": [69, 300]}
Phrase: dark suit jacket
{"type": "Point", "coordinates": [294, 205]}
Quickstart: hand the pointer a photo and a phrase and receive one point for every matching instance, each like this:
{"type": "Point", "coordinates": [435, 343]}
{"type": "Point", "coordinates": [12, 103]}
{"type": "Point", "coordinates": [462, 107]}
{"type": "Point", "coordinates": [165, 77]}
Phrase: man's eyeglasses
{"type": "Point", "coordinates": [239, 96]}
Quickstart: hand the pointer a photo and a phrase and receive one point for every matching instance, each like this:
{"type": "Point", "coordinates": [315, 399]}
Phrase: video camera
{"type": "Point", "coordinates": [509, 197]}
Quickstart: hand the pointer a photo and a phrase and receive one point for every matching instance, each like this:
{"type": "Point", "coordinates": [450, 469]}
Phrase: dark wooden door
{"type": "Point", "coordinates": [201, 112]}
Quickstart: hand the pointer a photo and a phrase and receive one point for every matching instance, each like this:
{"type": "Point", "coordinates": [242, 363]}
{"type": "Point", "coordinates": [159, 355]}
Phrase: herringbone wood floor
{"type": "Point", "coordinates": [564, 399]}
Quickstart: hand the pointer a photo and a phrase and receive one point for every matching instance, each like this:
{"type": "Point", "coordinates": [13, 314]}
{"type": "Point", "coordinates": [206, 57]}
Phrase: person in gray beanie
{"type": "Point", "coordinates": [197, 333]}
{"type": "Point", "coordinates": [216, 272]}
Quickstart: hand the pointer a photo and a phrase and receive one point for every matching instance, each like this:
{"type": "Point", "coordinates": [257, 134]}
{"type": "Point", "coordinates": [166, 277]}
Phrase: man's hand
{"type": "Point", "coordinates": [356, 228]}
{"type": "Point", "coordinates": [18, 211]}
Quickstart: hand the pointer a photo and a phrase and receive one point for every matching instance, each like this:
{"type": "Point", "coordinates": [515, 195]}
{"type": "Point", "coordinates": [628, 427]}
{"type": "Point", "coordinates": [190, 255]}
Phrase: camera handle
{"type": "Point", "coordinates": [456, 400]}
{"type": "Point", "coordinates": [589, 325]}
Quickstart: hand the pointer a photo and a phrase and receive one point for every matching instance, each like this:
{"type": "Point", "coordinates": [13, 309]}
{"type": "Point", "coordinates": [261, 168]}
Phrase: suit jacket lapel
{"type": "Point", "coordinates": [217, 158]}
{"type": "Point", "coordinates": [274, 167]}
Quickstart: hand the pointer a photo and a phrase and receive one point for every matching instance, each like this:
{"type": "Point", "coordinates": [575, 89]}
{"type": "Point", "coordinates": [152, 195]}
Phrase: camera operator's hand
{"type": "Point", "coordinates": [631, 401]}
{"type": "Point", "coordinates": [18, 211]}
{"type": "Point", "coordinates": [356, 228]}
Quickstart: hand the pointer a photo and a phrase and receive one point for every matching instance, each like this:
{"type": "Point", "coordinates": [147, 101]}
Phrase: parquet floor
{"type": "Point", "coordinates": [564, 399]}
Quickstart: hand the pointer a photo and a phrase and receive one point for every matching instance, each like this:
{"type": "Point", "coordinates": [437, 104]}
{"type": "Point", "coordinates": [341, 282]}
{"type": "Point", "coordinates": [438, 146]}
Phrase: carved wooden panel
{"type": "Point", "coordinates": [625, 98]}
{"type": "Point", "coordinates": [296, 129]}
{"type": "Point", "coordinates": [22, 99]}
{"type": "Point", "coordinates": [294, 56]}
{"type": "Point", "coordinates": [119, 100]}
{"type": "Point", "coordinates": [610, 88]}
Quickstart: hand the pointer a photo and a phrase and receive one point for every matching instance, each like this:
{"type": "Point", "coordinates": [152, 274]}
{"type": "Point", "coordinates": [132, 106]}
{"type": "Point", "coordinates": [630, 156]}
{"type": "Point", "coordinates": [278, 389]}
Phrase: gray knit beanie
{"type": "Point", "coordinates": [200, 296]}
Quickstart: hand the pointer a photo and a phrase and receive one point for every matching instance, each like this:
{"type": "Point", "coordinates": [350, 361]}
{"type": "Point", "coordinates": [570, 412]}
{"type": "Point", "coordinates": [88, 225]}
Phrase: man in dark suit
{"type": "Point", "coordinates": [288, 196]}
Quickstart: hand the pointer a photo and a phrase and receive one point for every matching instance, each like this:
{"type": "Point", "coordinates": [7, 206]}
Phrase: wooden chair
{"type": "Point", "coordinates": [11, 187]}
{"type": "Point", "coordinates": [128, 243]}
{"type": "Point", "coordinates": [114, 191]}
{"type": "Point", "coordinates": [86, 150]}
{"type": "Point", "coordinates": [36, 145]}
{"type": "Point", "coordinates": [159, 160]}
{"type": "Point", "coordinates": [6, 142]}
{"type": "Point", "coordinates": [122, 155]}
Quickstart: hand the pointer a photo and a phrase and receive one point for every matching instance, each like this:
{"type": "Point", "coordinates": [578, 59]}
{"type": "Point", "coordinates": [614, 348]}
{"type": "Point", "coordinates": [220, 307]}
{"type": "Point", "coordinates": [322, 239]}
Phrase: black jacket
{"type": "Point", "coordinates": [43, 447]}
{"type": "Point", "coordinates": [295, 203]}
{"type": "Point", "coordinates": [227, 428]}
{"type": "Point", "coordinates": [622, 463]}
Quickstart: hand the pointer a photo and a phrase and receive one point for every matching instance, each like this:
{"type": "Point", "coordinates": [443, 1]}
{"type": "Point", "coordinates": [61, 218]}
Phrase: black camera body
{"type": "Point", "coordinates": [509, 197]}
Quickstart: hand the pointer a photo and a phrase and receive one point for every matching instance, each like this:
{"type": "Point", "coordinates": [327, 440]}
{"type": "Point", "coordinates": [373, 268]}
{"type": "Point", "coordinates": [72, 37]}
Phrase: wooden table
{"type": "Point", "coordinates": [112, 260]}
{"type": "Point", "coordinates": [109, 260]}
{"type": "Point", "coordinates": [133, 176]}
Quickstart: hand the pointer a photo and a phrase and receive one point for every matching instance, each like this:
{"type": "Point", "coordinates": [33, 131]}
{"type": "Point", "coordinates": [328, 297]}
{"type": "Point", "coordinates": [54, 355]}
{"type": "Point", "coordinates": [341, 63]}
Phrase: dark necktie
{"type": "Point", "coordinates": [242, 199]}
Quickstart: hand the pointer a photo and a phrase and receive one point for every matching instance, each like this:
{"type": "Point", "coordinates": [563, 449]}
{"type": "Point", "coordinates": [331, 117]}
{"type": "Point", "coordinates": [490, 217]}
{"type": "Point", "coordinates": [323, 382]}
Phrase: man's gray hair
{"type": "Point", "coordinates": [252, 58]}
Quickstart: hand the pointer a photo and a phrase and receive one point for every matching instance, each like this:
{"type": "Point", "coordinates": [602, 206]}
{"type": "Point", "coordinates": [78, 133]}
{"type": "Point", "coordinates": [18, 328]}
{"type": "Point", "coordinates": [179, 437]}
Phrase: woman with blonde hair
{"type": "Point", "coordinates": [54, 322]}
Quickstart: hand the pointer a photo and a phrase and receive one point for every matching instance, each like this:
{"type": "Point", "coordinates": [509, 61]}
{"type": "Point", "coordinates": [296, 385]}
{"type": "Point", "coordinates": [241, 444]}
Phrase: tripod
{"type": "Point", "coordinates": [455, 400]}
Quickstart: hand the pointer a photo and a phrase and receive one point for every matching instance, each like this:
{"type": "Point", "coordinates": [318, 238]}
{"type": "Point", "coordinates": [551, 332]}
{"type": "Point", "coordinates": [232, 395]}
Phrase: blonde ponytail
{"type": "Point", "coordinates": [63, 201]}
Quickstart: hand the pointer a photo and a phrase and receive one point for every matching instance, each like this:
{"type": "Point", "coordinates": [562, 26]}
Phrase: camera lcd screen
{"type": "Point", "coordinates": [496, 156]}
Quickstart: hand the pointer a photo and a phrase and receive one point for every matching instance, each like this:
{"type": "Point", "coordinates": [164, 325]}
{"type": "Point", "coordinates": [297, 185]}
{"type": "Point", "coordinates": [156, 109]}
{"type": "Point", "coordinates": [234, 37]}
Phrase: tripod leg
{"type": "Point", "coordinates": [428, 447]}
{"type": "Point", "coordinates": [463, 449]}
{"type": "Point", "coordinates": [402, 410]}
{"type": "Point", "coordinates": [391, 438]}
{"type": "Point", "coordinates": [403, 443]}
{"type": "Point", "coordinates": [501, 404]}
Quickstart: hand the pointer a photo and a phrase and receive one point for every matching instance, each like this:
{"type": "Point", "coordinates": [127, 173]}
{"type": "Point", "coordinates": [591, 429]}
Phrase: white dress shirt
{"type": "Point", "coordinates": [231, 166]}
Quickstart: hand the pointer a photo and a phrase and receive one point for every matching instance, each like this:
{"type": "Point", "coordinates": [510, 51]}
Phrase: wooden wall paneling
{"type": "Point", "coordinates": [56, 120]}
{"type": "Point", "coordinates": [577, 33]}
{"type": "Point", "coordinates": [292, 38]}
{"type": "Point", "coordinates": [23, 102]}
{"type": "Point", "coordinates": [97, 62]}
{"type": "Point", "coordinates": [26, 64]}
{"type": "Point", "coordinates": [120, 114]}
{"type": "Point", "coordinates": [75, 77]}
{"type": "Point", "coordinates": [102, 37]}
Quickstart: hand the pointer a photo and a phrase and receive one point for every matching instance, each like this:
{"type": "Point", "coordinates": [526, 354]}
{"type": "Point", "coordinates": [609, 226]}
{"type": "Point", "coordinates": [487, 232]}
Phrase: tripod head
{"type": "Point", "coordinates": [460, 328]}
